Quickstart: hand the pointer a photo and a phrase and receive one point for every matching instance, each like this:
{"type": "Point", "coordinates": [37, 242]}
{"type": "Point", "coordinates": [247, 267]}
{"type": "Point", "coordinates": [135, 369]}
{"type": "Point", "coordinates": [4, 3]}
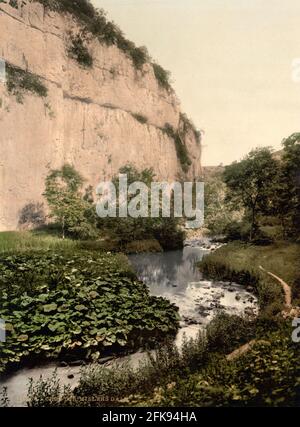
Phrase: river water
{"type": "Point", "coordinates": [173, 275]}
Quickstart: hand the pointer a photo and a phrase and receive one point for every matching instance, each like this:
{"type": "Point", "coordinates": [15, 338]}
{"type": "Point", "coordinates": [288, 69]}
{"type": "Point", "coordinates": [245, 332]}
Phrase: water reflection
{"type": "Point", "coordinates": [168, 272]}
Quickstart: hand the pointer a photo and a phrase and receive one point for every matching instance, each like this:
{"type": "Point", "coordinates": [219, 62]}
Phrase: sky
{"type": "Point", "coordinates": [231, 65]}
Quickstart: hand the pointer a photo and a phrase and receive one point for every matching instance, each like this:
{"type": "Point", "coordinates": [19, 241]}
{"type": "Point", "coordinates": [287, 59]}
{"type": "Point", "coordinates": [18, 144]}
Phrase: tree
{"type": "Point", "coordinates": [128, 229]}
{"type": "Point", "coordinates": [73, 212]}
{"type": "Point", "coordinates": [285, 196]}
{"type": "Point", "coordinates": [249, 182]}
{"type": "Point", "coordinates": [218, 214]}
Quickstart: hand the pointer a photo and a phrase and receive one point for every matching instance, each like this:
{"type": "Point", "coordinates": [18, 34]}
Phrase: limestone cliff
{"type": "Point", "coordinates": [97, 118]}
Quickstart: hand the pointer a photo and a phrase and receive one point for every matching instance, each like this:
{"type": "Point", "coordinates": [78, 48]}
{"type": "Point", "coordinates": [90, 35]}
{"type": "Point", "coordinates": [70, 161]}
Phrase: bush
{"type": "Point", "coordinates": [162, 76]}
{"type": "Point", "coordinates": [181, 149]}
{"type": "Point", "coordinates": [138, 246]}
{"type": "Point", "coordinates": [80, 52]}
{"type": "Point", "coordinates": [20, 82]}
{"type": "Point", "coordinates": [225, 333]}
{"type": "Point", "coordinates": [238, 230]}
{"type": "Point", "coordinates": [95, 22]}
{"type": "Point", "coordinates": [102, 386]}
{"type": "Point", "coordinates": [126, 230]}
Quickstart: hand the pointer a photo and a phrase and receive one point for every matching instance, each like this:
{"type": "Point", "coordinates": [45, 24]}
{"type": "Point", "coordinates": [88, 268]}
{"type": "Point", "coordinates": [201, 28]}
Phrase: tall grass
{"type": "Point", "coordinates": [14, 241]}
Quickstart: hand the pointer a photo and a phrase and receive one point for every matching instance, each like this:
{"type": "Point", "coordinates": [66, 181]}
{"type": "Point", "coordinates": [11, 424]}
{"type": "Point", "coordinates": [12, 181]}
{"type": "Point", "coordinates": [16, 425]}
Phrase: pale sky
{"type": "Point", "coordinates": [230, 62]}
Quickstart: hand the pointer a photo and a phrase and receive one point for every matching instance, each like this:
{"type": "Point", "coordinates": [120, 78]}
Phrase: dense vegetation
{"type": "Point", "coordinates": [76, 304]}
{"type": "Point", "coordinates": [268, 375]}
{"type": "Point", "coordinates": [260, 196]}
{"type": "Point", "coordinates": [74, 212]}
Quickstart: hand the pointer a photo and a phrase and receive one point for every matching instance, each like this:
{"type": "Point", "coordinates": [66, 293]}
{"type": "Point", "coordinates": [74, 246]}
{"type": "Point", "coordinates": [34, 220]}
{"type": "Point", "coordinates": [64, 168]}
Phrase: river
{"type": "Point", "coordinates": [174, 275]}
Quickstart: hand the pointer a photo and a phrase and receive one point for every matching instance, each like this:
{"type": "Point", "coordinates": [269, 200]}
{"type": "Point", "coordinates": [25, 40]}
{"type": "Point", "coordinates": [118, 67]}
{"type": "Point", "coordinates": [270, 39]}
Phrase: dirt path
{"type": "Point", "coordinates": [289, 311]}
{"type": "Point", "coordinates": [286, 288]}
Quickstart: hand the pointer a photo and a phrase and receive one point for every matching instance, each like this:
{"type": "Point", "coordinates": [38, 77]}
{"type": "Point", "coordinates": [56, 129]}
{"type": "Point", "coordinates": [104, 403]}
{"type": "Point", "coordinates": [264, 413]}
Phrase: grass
{"type": "Point", "coordinates": [139, 246]}
{"type": "Point", "coordinates": [15, 241]}
{"type": "Point", "coordinates": [240, 262]}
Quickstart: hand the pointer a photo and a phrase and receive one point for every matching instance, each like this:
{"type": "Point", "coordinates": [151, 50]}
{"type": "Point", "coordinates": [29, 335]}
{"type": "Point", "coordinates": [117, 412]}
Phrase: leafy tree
{"type": "Point", "coordinates": [73, 212]}
{"type": "Point", "coordinates": [128, 229]}
{"type": "Point", "coordinates": [284, 200]}
{"type": "Point", "coordinates": [291, 171]}
{"type": "Point", "coordinates": [249, 182]}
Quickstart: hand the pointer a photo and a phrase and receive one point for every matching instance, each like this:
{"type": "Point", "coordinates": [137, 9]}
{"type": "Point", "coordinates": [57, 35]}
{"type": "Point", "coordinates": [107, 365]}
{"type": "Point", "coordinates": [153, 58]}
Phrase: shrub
{"type": "Point", "coordinates": [225, 333]}
{"type": "Point", "coordinates": [181, 149]}
{"type": "Point", "coordinates": [95, 22]}
{"type": "Point", "coordinates": [238, 230]}
{"type": "Point", "coordinates": [160, 367]}
{"type": "Point", "coordinates": [80, 52]}
{"type": "Point", "coordinates": [162, 76]}
{"type": "Point", "coordinates": [13, 3]}
{"type": "Point", "coordinates": [138, 246]}
{"type": "Point", "coordinates": [20, 81]}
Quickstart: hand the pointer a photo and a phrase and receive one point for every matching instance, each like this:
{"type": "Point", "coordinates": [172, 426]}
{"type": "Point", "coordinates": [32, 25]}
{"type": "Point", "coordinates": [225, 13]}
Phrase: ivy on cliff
{"type": "Point", "coordinates": [181, 149]}
{"type": "Point", "coordinates": [20, 81]}
{"type": "Point", "coordinates": [95, 22]}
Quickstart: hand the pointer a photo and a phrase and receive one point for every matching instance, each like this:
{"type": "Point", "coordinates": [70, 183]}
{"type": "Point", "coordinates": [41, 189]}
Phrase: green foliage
{"type": "Point", "coordinates": [219, 215]}
{"type": "Point", "coordinates": [249, 182]}
{"type": "Point", "coordinates": [76, 304]}
{"type": "Point", "coordinates": [94, 21]}
{"type": "Point", "coordinates": [126, 230]}
{"type": "Point", "coordinates": [120, 380]}
{"type": "Point", "coordinates": [285, 196]}
{"type": "Point", "coordinates": [267, 375]}
{"type": "Point", "coordinates": [19, 82]}
{"type": "Point", "coordinates": [79, 51]}
{"type": "Point", "coordinates": [19, 241]}
{"type": "Point", "coordinates": [225, 333]}
{"type": "Point", "coordinates": [181, 149]}
{"type": "Point", "coordinates": [139, 246]}
{"type": "Point", "coordinates": [68, 207]}
{"type": "Point", "coordinates": [188, 125]}
{"type": "Point", "coordinates": [240, 263]}
{"type": "Point", "coordinates": [162, 76]}
{"type": "Point", "coordinates": [13, 3]}
{"type": "Point", "coordinates": [238, 230]}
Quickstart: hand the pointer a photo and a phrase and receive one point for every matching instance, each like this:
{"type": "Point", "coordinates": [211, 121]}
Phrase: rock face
{"type": "Point", "coordinates": [89, 118]}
